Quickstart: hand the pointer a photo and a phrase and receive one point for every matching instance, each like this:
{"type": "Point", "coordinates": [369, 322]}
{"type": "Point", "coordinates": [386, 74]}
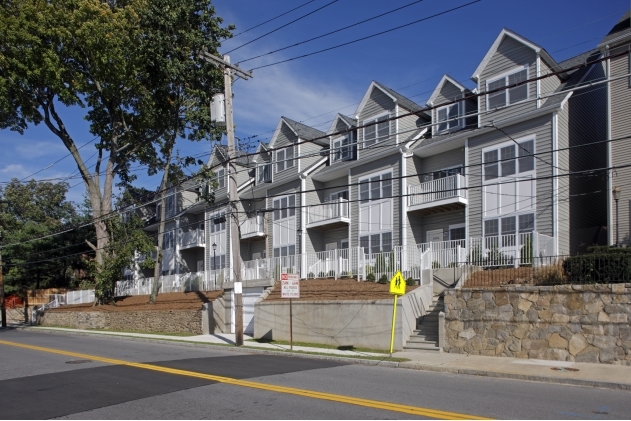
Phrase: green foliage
{"type": "Point", "coordinates": [34, 209]}
{"type": "Point", "coordinates": [599, 268]}
{"type": "Point", "coordinates": [435, 264]}
{"type": "Point", "coordinates": [370, 277]}
{"type": "Point", "coordinates": [410, 282]}
{"type": "Point", "coordinates": [525, 253]}
{"type": "Point", "coordinates": [383, 279]}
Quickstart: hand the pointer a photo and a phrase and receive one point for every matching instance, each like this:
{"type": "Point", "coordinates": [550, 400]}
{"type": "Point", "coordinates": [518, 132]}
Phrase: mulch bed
{"type": "Point", "coordinates": [498, 277]}
{"type": "Point", "coordinates": [167, 301]}
{"type": "Point", "coordinates": [337, 290]}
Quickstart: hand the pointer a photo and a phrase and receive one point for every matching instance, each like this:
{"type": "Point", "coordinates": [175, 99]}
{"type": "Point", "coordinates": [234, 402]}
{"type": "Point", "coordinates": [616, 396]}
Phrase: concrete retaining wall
{"type": "Point", "coordinates": [173, 321]}
{"type": "Point", "coordinates": [362, 324]}
{"type": "Point", "coordinates": [585, 323]}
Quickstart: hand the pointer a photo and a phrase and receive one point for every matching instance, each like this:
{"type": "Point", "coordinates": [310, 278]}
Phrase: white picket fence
{"type": "Point", "coordinates": [186, 282]}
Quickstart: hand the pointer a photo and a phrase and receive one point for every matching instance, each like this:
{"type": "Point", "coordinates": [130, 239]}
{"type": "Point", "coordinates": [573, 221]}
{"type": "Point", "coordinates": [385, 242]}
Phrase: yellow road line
{"type": "Point", "coordinates": [388, 406]}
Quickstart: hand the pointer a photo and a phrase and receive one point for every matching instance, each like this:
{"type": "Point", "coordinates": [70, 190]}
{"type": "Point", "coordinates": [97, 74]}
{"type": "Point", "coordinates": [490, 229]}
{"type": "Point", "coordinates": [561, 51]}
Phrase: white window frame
{"type": "Point", "coordinates": [373, 119]}
{"type": "Point", "coordinates": [448, 121]}
{"type": "Point", "coordinates": [276, 243]}
{"type": "Point", "coordinates": [387, 201]}
{"type": "Point", "coordinates": [455, 226]}
{"type": "Point", "coordinates": [508, 215]}
{"type": "Point", "coordinates": [505, 76]}
{"type": "Point", "coordinates": [341, 149]}
{"type": "Point", "coordinates": [285, 160]}
{"type": "Point", "coordinates": [331, 195]}
{"type": "Point", "coordinates": [214, 237]}
{"type": "Point", "coordinates": [259, 172]}
{"type": "Point", "coordinates": [221, 178]}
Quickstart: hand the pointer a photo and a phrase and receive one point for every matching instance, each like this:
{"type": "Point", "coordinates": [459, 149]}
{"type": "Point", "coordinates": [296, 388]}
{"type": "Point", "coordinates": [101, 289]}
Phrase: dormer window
{"type": "Point", "coordinates": [375, 133]}
{"type": "Point", "coordinates": [221, 178]}
{"type": "Point", "coordinates": [264, 173]}
{"type": "Point", "coordinates": [447, 117]}
{"type": "Point", "coordinates": [511, 95]}
{"type": "Point", "coordinates": [343, 148]}
{"type": "Point", "coordinates": [284, 159]}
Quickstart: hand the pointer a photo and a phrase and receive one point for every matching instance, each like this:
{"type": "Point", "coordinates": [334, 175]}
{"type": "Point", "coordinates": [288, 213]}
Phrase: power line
{"type": "Point", "coordinates": [367, 37]}
{"type": "Point", "coordinates": [274, 18]}
{"type": "Point", "coordinates": [331, 32]}
{"type": "Point", "coordinates": [283, 26]}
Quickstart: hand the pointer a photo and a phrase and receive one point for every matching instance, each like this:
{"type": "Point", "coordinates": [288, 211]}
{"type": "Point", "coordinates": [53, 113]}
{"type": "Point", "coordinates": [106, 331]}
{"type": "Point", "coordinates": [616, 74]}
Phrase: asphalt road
{"type": "Point", "coordinates": [175, 382]}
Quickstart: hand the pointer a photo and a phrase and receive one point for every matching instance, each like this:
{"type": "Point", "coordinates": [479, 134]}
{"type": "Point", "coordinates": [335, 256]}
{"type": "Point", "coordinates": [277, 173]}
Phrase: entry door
{"type": "Point", "coordinates": [434, 236]}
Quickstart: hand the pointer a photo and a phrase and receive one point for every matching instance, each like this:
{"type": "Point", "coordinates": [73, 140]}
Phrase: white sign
{"type": "Point", "coordinates": [238, 288]}
{"type": "Point", "coordinates": [289, 285]}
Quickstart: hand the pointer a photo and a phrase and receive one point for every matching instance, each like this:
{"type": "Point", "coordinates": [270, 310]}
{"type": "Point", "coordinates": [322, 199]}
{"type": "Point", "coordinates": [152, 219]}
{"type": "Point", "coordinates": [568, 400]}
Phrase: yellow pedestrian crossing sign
{"type": "Point", "coordinates": [397, 284]}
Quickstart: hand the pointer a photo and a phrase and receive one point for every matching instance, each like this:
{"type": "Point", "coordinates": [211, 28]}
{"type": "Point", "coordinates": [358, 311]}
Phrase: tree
{"type": "Point", "coordinates": [126, 64]}
{"type": "Point", "coordinates": [32, 209]}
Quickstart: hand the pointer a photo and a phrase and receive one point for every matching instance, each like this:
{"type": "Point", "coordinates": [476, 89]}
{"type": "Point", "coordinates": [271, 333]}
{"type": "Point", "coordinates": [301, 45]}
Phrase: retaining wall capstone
{"type": "Point", "coordinates": [171, 321]}
{"type": "Point", "coordinates": [583, 323]}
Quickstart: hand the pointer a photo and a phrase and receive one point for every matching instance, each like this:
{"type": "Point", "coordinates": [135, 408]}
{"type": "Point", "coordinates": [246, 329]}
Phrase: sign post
{"type": "Point", "coordinates": [397, 287]}
{"type": "Point", "coordinates": [290, 288]}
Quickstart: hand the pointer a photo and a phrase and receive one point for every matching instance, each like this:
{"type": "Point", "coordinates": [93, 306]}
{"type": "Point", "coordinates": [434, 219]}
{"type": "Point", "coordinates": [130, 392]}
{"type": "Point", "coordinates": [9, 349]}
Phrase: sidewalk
{"type": "Point", "coordinates": [562, 372]}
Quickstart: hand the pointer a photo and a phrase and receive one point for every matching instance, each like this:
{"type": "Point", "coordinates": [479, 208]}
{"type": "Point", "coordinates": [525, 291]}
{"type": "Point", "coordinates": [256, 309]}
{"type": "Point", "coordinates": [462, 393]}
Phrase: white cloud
{"type": "Point", "coordinates": [40, 149]}
{"type": "Point", "coordinates": [15, 171]}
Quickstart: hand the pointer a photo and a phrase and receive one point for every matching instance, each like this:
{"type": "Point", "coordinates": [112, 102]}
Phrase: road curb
{"type": "Point", "coordinates": [391, 364]}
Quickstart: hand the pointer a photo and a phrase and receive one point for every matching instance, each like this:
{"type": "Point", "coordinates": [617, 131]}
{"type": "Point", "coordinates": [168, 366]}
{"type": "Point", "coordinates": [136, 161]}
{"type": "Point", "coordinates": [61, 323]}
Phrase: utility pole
{"type": "Point", "coordinates": [232, 187]}
{"type": "Point", "coordinates": [3, 308]}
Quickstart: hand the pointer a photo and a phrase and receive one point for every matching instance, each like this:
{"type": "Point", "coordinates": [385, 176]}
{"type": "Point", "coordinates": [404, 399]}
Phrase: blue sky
{"type": "Point", "coordinates": [410, 60]}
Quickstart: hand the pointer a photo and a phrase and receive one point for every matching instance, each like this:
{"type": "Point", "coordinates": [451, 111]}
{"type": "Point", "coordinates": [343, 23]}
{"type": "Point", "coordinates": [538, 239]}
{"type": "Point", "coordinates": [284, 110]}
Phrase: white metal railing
{"type": "Point", "coordinates": [334, 209]}
{"type": "Point", "coordinates": [185, 282]}
{"type": "Point", "coordinates": [506, 250]}
{"type": "Point", "coordinates": [432, 191]}
{"type": "Point", "coordinates": [253, 226]}
{"type": "Point", "coordinates": [80, 297]}
{"type": "Point", "coordinates": [192, 238]}
{"type": "Point", "coordinates": [141, 257]}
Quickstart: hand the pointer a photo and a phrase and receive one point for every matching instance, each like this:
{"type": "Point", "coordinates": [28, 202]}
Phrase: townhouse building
{"type": "Point", "coordinates": [616, 46]}
{"type": "Point", "coordinates": [509, 170]}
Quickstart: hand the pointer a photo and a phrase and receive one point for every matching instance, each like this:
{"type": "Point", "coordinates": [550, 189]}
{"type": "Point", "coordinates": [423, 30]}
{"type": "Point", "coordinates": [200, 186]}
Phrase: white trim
{"type": "Point", "coordinates": [538, 80]}
{"type": "Point", "coordinates": [448, 121]}
{"type": "Point", "coordinates": [439, 87]}
{"type": "Point", "coordinates": [370, 120]}
{"type": "Point", "coordinates": [396, 124]}
{"type": "Point", "coordinates": [350, 192]}
{"type": "Point", "coordinates": [403, 203]}
{"type": "Point", "coordinates": [299, 142]}
{"type": "Point", "coordinates": [364, 100]}
{"type": "Point", "coordinates": [506, 91]}
{"type": "Point", "coordinates": [610, 236]}
{"type": "Point", "coordinates": [466, 184]}
{"type": "Point", "coordinates": [555, 185]}
{"type": "Point", "coordinates": [334, 123]}
{"type": "Point", "coordinates": [458, 226]}
{"type": "Point", "coordinates": [308, 170]}
{"type": "Point", "coordinates": [276, 133]}
{"type": "Point", "coordinates": [303, 225]}
{"type": "Point", "coordinates": [508, 33]}
{"type": "Point", "coordinates": [244, 185]}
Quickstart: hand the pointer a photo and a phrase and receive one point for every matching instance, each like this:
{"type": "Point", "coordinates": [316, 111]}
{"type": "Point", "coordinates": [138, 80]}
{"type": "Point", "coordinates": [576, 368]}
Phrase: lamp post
{"type": "Point", "coordinates": [616, 196]}
{"type": "Point", "coordinates": [215, 262]}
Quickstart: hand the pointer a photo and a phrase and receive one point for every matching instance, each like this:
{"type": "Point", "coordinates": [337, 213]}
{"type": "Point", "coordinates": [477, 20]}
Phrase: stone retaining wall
{"type": "Point", "coordinates": [585, 323]}
{"type": "Point", "coordinates": [172, 321]}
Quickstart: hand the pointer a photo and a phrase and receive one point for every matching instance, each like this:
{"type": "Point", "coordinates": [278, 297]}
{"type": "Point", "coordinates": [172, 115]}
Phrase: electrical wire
{"type": "Point", "coordinates": [269, 20]}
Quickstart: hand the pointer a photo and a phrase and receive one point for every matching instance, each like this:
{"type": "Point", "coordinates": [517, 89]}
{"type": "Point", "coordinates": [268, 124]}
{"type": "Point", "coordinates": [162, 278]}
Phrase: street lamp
{"type": "Point", "coordinates": [215, 261]}
{"type": "Point", "coordinates": [616, 196]}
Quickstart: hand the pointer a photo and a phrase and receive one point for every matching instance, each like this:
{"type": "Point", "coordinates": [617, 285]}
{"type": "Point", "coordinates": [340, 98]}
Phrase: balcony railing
{"type": "Point", "coordinates": [451, 187]}
{"type": "Point", "coordinates": [330, 212]}
{"type": "Point", "coordinates": [193, 238]}
{"type": "Point", "coordinates": [253, 227]}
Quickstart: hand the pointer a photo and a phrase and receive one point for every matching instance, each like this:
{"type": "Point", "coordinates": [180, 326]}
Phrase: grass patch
{"type": "Point", "coordinates": [312, 345]}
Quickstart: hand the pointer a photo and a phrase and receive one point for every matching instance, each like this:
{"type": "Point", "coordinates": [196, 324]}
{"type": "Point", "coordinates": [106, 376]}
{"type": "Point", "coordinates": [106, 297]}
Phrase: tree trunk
{"type": "Point", "coordinates": [163, 192]}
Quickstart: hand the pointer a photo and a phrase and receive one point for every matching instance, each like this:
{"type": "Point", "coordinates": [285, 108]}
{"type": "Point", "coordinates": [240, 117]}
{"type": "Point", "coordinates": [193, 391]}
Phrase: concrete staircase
{"type": "Point", "coordinates": [425, 337]}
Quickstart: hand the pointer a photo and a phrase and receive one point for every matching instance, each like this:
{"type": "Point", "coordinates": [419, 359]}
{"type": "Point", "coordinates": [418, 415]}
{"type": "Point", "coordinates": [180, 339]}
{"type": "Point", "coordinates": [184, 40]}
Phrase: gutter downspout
{"type": "Point", "coordinates": [555, 181]}
{"type": "Point", "coordinates": [177, 256]}
{"type": "Point", "coordinates": [610, 228]}
{"type": "Point", "coordinates": [538, 81]}
{"type": "Point", "coordinates": [303, 223]}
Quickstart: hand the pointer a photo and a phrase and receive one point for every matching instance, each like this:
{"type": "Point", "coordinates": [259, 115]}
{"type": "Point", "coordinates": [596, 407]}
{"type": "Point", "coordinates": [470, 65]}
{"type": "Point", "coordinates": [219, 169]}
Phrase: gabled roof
{"type": "Point", "coordinates": [445, 78]}
{"type": "Point", "coordinates": [394, 95]}
{"type": "Point", "coordinates": [621, 32]}
{"type": "Point", "coordinates": [301, 130]}
{"type": "Point", "coordinates": [496, 44]}
{"type": "Point", "coordinates": [350, 122]}
{"type": "Point", "coordinates": [221, 151]}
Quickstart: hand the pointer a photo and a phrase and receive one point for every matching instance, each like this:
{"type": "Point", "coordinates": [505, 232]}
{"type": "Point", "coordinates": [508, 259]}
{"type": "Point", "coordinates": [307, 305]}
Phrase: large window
{"type": "Point", "coordinates": [343, 149]}
{"type": "Point", "coordinates": [507, 164]}
{"type": "Point", "coordinates": [221, 178]}
{"type": "Point", "coordinates": [264, 173]}
{"type": "Point", "coordinates": [508, 96]}
{"type": "Point", "coordinates": [378, 130]}
{"type": "Point", "coordinates": [509, 225]}
{"type": "Point", "coordinates": [375, 213]}
{"type": "Point", "coordinates": [217, 241]}
{"type": "Point", "coordinates": [284, 159]}
{"type": "Point", "coordinates": [447, 117]}
{"type": "Point", "coordinates": [284, 230]}
{"type": "Point", "coordinates": [168, 240]}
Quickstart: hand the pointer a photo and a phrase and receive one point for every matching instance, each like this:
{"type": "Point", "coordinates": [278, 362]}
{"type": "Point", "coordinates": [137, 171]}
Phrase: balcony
{"type": "Point", "coordinates": [439, 195]}
{"type": "Point", "coordinates": [193, 238]}
{"type": "Point", "coordinates": [330, 213]}
{"type": "Point", "coordinates": [253, 227]}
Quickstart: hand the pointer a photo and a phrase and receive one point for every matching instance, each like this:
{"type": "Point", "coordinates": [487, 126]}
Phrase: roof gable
{"type": "Point", "coordinates": [439, 87]}
{"type": "Point", "coordinates": [349, 122]}
{"type": "Point", "coordinates": [621, 32]}
{"type": "Point", "coordinates": [301, 131]}
{"type": "Point", "coordinates": [496, 44]}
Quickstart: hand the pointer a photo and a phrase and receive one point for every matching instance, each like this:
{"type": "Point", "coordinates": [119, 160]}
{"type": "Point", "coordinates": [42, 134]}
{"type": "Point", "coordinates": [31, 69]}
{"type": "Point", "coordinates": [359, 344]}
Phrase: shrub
{"type": "Point", "coordinates": [370, 277]}
{"type": "Point", "coordinates": [383, 279]}
{"type": "Point", "coordinates": [331, 274]}
{"type": "Point", "coordinates": [311, 275]}
{"type": "Point", "coordinates": [598, 268]}
{"type": "Point", "coordinates": [410, 282]}
{"type": "Point", "coordinates": [552, 274]}
{"type": "Point", "coordinates": [321, 275]}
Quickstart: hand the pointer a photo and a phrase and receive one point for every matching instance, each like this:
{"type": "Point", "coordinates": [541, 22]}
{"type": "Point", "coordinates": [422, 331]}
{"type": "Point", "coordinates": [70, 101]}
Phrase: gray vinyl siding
{"type": "Point", "coordinates": [449, 92]}
{"type": "Point", "coordinates": [335, 235]}
{"type": "Point", "coordinates": [406, 125]}
{"type": "Point", "coordinates": [377, 104]}
{"type": "Point", "coordinates": [190, 257]}
{"type": "Point", "coordinates": [440, 221]}
{"type": "Point", "coordinates": [413, 169]}
{"type": "Point", "coordinates": [441, 161]}
{"type": "Point", "coordinates": [333, 186]}
{"type": "Point", "coordinates": [563, 193]}
{"type": "Point", "coordinates": [248, 248]}
{"type": "Point", "coordinates": [548, 84]}
{"type": "Point", "coordinates": [415, 233]}
{"type": "Point", "coordinates": [311, 153]}
{"type": "Point", "coordinates": [621, 150]}
{"type": "Point", "coordinates": [392, 163]}
{"type": "Point", "coordinates": [541, 127]}
{"type": "Point", "coordinates": [588, 195]}
{"type": "Point", "coordinates": [509, 56]}
{"type": "Point", "coordinates": [285, 137]}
